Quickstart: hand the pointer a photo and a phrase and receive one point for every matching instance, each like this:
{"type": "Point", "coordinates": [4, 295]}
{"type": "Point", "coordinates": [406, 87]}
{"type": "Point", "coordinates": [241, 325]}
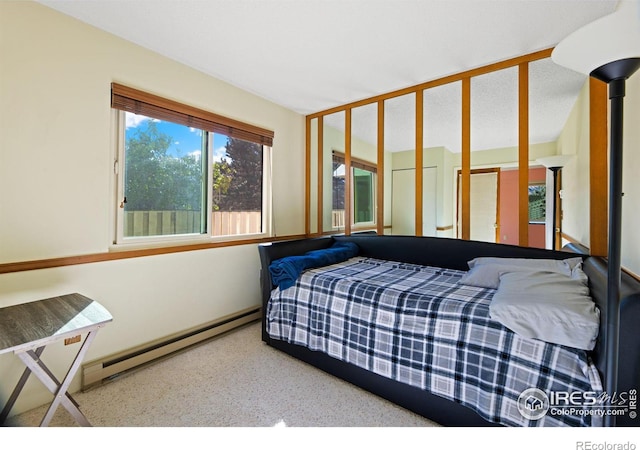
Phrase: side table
{"type": "Point", "coordinates": [26, 329]}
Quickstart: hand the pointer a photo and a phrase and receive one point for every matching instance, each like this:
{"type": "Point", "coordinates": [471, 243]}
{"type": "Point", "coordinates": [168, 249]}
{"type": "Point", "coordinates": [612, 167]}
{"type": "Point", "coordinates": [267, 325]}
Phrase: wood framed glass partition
{"type": "Point", "coordinates": [400, 131]}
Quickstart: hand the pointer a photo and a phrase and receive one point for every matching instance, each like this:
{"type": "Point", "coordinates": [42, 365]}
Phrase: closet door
{"type": "Point", "coordinates": [403, 213]}
{"type": "Point", "coordinates": [484, 210]}
{"type": "Point", "coordinates": [403, 198]}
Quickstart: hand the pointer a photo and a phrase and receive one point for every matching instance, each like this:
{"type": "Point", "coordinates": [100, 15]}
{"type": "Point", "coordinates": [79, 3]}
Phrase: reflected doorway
{"type": "Point", "coordinates": [403, 214]}
{"type": "Point", "coordinates": [484, 192]}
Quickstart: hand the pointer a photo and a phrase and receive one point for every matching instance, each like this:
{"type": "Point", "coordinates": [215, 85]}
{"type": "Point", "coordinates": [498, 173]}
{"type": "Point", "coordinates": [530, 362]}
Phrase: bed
{"type": "Point", "coordinates": [419, 332]}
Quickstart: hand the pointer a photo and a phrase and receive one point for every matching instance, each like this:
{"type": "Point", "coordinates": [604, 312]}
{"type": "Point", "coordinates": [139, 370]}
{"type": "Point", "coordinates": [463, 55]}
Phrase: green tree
{"type": "Point", "coordinates": [244, 192]}
{"type": "Point", "coordinates": [222, 178]}
{"type": "Point", "coordinates": [155, 180]}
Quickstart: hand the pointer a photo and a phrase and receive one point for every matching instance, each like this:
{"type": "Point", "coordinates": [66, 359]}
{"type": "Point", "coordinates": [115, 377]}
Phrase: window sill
{"type": "Point", "coordinates": [185, 241]}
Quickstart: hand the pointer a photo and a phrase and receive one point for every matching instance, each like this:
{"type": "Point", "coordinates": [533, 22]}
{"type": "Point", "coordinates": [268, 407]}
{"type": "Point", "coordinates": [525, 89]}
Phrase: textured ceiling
{"type": "Point", "coordinates": [494, 111]}
{"type": "Point", "coordinates": [310, 55]}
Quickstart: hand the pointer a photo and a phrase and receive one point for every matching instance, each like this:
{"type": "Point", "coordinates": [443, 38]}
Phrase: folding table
{"type": "Point", "coordinates": [26, 329]}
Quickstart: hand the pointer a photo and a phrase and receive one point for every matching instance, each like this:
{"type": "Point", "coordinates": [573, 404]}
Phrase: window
{"type": "Point", "coordinates": [537, 203]}
{"type": "Point", "coordinates": [363, 179]}
{"type": "Point", "coordinates": [186, 176]}
{"type": "Point", "coordinates": [363, 196]}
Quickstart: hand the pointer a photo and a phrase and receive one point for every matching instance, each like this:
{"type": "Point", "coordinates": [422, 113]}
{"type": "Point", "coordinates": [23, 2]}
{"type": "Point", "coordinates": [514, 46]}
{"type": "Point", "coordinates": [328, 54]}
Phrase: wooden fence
{"type": "Point", "coordinates": [223, 223]}
{"type": "Point", "coordinates": [236, 222]}
{"type": "Point", "coordinates": [337, 218]}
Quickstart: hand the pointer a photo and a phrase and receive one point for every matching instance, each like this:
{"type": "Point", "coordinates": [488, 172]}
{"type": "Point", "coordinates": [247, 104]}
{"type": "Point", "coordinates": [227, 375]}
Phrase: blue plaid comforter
{"type": "Point", "coordinates": [417, 325]}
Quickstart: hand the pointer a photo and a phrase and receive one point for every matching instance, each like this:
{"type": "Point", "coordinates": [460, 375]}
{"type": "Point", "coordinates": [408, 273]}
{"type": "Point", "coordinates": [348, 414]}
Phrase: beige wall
{"type": "Point", "coordinates": [630, 181]}
{"type": "Point", "coordinates": [56, 150]}
{"type": "Point", "coordinates": [574, 140]}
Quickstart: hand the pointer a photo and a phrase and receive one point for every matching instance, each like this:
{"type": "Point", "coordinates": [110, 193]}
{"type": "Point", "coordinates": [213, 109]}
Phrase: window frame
{"type": "Point", "coordinates": [357, 163]}
{"type": "Point", "coordinates": [534, 184]}
{"type": "Point", "coordinates": [120, 242]}
{"type": "Point", "coordinates": [373, 200]}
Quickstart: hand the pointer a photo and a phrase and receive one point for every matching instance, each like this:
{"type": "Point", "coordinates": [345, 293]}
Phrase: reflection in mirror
{"type": "Point", "coordinates": [312, 169]}
{"type": "Point", "coordinates": [559, 124]}
{"type": "Point", "coordinates": [333, 173]}
{"type": "Point", "coordinates": [399, 138]}
{"type": "Point", "coordinates": [442, 142]}
{"type": "Point", "coordinates": [364, 166]}
{"type": "Point", "coordinates": [494, 146]}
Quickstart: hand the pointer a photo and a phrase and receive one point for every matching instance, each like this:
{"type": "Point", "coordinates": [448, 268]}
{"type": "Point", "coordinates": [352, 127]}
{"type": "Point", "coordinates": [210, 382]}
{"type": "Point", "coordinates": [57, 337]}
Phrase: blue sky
{"type": "Point", "coordinates": [185, 140]}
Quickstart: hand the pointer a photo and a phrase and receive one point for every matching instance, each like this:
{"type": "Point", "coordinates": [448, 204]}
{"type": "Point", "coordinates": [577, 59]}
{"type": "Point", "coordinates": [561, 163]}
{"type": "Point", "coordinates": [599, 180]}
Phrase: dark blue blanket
{"type": "Point", "coordinates": [285, 271]}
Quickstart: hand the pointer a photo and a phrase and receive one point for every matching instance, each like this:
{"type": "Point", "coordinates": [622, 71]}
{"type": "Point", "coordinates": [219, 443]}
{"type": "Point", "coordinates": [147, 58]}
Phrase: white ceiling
{"type": "Point", "coordinates": [311, 55]}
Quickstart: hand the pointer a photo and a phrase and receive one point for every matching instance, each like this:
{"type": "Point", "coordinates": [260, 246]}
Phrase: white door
{"type": "Point", "coordinates": [403, 200]}
{"type": "Point", "coordinates": [484, 206]}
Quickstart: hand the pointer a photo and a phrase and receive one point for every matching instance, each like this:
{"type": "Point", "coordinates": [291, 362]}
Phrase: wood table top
{"type": "Point", "coordinates": [40, 322]}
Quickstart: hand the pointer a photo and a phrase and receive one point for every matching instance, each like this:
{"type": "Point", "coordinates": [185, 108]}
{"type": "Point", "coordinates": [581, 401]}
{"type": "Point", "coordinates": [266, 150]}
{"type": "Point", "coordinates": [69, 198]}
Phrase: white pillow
{"type": "Point", "coordinates": [485, 271]}
{"type": "Point", "coordinates": [488, 275]}
{"type": "Point", "coordinates": [547, 306]}
{"type": "Point", "coordinates": [578, 274]}
{"type": "Point", "coordinates": [555, 265]}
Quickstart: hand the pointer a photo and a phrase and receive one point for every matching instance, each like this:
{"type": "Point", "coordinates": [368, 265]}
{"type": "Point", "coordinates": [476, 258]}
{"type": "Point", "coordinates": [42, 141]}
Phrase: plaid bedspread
{"type": "Point", "coordinates": [417, 325]}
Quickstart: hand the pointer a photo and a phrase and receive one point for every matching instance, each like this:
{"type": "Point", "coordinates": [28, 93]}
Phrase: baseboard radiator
{"type": "Point", "coordinates": [95, 373]}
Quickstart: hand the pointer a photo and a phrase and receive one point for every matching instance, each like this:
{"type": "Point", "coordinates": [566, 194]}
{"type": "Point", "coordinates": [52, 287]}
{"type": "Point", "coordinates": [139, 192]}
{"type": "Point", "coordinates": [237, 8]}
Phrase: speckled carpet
{"type": "Point", "coordinates": [232, 381]}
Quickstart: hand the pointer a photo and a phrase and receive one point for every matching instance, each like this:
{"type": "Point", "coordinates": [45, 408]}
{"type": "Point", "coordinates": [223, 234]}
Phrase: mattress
{"type": "Point", "coordinates": [417, 325]}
